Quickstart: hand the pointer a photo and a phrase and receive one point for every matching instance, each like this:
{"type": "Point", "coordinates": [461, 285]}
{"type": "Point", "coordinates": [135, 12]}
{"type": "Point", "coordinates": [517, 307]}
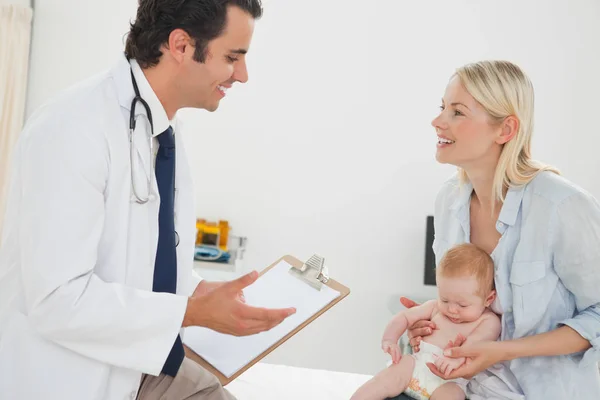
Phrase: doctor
{"type": "Point", "coordinates": [96, 260]}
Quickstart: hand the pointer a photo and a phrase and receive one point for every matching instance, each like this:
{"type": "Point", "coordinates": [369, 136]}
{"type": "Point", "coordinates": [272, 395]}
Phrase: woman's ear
{"type": "Point", "coordinates": [490, 299]}
{"type": "Point", "coordinates": [510, 127]}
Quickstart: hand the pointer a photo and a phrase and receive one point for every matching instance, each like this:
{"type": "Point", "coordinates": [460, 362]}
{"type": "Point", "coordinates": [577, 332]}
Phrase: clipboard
{"type": "Point", "coordinates": [312, 273]}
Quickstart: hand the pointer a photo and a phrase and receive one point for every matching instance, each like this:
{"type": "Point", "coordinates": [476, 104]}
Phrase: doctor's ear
{"type": "Point", "coordinates": [179, 44]}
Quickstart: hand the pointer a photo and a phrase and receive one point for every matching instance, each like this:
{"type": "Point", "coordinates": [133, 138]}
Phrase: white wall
{"type": "Point", "coordinates": [73, 39]}
{"type": "Point", "coordinates": [328, 148]}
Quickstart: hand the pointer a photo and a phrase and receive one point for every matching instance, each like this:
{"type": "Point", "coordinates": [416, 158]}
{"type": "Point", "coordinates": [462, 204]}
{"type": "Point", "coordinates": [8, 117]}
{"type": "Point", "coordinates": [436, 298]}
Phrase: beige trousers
{"type": "Point", "coordinates": [192, 382]}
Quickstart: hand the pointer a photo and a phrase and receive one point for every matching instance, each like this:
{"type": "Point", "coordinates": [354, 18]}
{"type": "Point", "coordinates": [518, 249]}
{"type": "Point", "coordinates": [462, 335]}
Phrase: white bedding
{"type": "Point", "coordinates": [279, 382]}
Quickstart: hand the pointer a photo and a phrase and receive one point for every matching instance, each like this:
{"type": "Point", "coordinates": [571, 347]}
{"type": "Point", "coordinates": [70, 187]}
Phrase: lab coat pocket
{"type": "Point", "coordinates": [532, 285]}
{"type": "Point", "coordinates": [40, 366]}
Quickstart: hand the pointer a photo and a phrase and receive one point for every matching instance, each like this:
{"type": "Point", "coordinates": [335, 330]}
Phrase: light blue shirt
{"type": "Point", "coordinates": [547, 274]}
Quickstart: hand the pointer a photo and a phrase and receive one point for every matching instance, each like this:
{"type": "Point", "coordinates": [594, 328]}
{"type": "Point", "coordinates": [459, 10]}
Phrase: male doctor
{"type": "Point", "coordinates": [96, 259]}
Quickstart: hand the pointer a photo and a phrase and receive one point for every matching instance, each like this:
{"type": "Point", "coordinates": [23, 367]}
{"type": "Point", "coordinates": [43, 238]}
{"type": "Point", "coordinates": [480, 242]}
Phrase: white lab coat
{"type": "Point", "coordinates": [78, 318]}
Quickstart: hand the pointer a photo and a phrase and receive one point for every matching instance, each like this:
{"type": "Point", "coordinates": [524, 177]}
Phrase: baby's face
{"type": "Point", "coordinates": [458, 298]}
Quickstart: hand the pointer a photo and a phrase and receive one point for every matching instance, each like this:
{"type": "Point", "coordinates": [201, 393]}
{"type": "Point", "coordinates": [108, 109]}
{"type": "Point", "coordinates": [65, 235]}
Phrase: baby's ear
{"type": "Point", "coordinates": [490, 299]}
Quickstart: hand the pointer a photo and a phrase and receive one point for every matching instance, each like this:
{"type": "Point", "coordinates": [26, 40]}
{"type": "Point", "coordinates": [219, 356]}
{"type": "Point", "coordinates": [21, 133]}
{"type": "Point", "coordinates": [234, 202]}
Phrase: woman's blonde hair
{"type": "Point", "coordinates": [504, 90]}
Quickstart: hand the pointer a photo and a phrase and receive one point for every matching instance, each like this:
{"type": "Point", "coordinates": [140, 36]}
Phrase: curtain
{"type": "Point", "coordinates": [15, 37]}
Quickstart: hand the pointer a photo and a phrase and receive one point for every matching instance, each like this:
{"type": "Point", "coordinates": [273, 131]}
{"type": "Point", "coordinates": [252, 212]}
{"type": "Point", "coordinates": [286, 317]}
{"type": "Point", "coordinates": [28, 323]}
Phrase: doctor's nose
{"type": "Point", "coordinates": [240, 73]}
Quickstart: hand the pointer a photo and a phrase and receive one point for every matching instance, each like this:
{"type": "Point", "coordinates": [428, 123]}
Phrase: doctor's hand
{"type": "Point", "coordinates": [205, 287]}
{"type": "Point", "coordinates": [418, 329]}
{"type": "Point", "coordinates": [221, 310]}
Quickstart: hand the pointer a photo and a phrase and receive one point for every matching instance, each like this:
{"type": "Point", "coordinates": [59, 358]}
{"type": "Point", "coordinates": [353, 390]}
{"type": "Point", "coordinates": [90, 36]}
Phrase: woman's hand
{"type": "Point", "coordinates": [419, 329]}
{"type": "Point", "coordinates": [446, 364]}
{"type": "Point", "coordinates": [479, 357]}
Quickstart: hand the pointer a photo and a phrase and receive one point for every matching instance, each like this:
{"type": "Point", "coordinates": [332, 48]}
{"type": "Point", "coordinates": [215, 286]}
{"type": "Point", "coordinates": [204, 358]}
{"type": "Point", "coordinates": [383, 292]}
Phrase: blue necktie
{"type": "Point", "coordinates": [165, 266]}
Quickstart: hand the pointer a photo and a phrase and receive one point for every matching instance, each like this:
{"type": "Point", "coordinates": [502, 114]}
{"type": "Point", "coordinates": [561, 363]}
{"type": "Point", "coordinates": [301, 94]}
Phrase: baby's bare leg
{"type": "Point", "coordinates": [388, 383]}
{"type": "Point", "coordinates": [448, 391]}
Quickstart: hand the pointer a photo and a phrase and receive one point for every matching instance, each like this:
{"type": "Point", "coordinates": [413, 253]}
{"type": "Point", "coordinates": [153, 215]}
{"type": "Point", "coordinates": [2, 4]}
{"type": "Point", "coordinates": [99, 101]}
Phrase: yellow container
{"type": "Point", "coordinates": [212, 233]}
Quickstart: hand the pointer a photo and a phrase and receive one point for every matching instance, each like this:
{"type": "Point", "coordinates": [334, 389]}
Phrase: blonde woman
{"type": "Point", "coordinates": [542, 232]}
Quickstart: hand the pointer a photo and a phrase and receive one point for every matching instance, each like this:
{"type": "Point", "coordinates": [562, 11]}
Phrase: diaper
{"type": "Point", "coordinates": [423, 381]}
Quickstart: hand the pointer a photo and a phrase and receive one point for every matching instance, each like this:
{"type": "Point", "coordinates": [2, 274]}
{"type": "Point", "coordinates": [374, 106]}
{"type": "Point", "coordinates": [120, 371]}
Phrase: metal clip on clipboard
{"type": "Point", "coordinates": [314, 272]}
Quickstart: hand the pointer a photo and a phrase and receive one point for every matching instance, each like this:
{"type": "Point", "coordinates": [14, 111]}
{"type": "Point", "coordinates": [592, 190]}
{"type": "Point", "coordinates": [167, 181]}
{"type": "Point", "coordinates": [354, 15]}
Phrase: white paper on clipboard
{"type": "Point", "coordinates": [277, 288]}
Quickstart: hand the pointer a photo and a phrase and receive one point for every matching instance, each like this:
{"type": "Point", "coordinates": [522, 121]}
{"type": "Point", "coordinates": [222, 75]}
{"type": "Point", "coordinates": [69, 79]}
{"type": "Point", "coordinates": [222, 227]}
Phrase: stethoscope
{"type": "Point", "coordinates": [132, 124]}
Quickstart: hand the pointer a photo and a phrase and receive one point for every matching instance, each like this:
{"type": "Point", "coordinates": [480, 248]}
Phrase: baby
{"type": "Point", "coordinates": [465, 282]}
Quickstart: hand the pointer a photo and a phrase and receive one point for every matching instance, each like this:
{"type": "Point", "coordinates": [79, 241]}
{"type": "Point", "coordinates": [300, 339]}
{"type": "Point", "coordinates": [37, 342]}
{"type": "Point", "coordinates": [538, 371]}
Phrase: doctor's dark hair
{"type": "Point", "coordinates": [203, 20]}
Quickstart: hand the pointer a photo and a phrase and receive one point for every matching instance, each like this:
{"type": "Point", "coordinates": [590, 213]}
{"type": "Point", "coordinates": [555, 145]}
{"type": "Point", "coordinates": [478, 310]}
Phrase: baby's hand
{"type": "Point", "coordinates": [392, 349]}
{"type": "Point", "coordinates": [446, 365]}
